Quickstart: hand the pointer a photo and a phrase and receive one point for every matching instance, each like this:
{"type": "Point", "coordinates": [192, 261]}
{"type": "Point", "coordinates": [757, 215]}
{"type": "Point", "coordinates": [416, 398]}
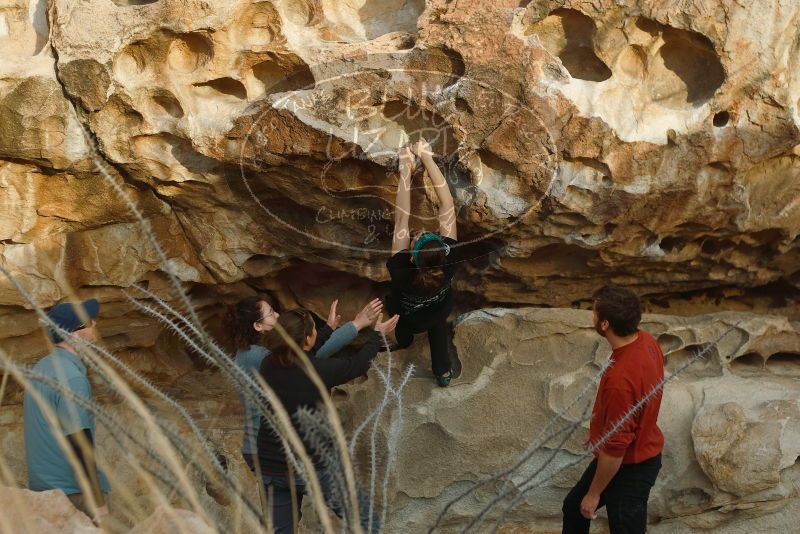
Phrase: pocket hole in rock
{"type": "Point", "coordinates": [279, 79]}
{"type": "Point", "coordinates": [721, 119]}
{"type": "Point", "coordinates": [750, 363]}
{"type": "Point", "coordinates": [339, 395]}
{"type": "Point", "coordinates": [672, 243]}
{"type": "Point", "coordinates": [436, 66]}
{"type": "Point", "coordinates": [688, 71]}
{"type": "Point", "coordinates": [784, 363]}
{"type": "Point", "coordinates": [167, 103]}
{"type": "Point", "coordinates": [679, 358]}
{"type": "Point", "coordinates": [223, 86]}
{"type": "Point", "coordinates": [129, 3]}
{"type": "Point", "coordinates": [669, 343]}
{"type": "Point", "coordinates": [570, 35]}
{"type": "Point", "coordinates": [463, 106]}
{"type": "Point", "coordinates": [188, 52]}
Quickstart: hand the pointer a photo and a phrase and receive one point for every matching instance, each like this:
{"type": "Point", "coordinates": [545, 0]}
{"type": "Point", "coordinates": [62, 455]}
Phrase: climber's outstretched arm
{"type": "Point", "coordinates": [447, 209]}
{"type": "Point", "coordinates": [402, 209]}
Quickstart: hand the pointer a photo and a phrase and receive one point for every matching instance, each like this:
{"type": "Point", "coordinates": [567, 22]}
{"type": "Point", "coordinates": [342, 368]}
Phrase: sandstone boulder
{"type": "Point", "coordinates": [643, 142]}
{"type": "Point", "coordinates": [744, 455]}
{"type": "Point", "coordinates": [41, 512]}
{"type": "Point", "coordinates": [167, 520]}
{"type": "Point", "coordinates": [731, 434]}
{"type": "Point", "coordinates": [730, 421]}
{"type": "Point", "coordinates": [650, 144]}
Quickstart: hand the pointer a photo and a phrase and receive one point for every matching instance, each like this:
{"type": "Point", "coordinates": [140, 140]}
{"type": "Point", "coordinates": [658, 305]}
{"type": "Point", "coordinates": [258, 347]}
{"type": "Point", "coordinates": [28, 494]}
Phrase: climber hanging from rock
{"type": "Point", "coordinates": [422, 269]}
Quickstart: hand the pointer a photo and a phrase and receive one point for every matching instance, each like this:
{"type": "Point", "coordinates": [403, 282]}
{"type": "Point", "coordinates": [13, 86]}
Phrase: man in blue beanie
{"type": "Point", "coordinates": [48, 466]}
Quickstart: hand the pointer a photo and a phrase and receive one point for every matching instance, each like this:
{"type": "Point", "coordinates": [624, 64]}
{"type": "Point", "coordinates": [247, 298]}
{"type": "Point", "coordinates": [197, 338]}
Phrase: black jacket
{"type": "Point", "coordinates": [416, 305]}
{"type": "Point", "coordinates": [296, 390]}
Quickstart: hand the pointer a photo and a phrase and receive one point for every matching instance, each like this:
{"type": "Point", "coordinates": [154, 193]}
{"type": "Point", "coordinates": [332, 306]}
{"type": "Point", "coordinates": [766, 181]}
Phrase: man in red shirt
{"type": "Point", "coordinates": [627, 455]}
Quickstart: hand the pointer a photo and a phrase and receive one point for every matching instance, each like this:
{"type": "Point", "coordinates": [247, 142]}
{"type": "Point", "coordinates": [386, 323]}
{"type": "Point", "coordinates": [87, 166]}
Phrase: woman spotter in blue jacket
{"type": "Point", "coordinates": [253, 317]}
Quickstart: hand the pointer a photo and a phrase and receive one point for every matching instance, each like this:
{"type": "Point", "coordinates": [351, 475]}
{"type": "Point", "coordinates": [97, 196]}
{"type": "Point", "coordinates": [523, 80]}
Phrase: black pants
{"type": "Point", "coordinates": [625, 498]}
{"type": "Point", "coordinates": [279, 490]}
{"type": "Point", "coordinates": [437, 339]}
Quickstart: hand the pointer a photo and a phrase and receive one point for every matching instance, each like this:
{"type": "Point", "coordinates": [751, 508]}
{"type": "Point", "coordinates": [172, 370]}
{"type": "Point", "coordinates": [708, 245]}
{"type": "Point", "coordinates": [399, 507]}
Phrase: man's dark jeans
{"type": "Point", "coordinates": [625, 498]}
{"type": "Point", "coordinates": [278, 489]}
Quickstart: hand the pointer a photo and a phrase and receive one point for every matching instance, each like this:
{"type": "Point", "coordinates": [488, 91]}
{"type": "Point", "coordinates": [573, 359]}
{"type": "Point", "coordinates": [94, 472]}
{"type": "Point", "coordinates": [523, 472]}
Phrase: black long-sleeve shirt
{"type": "Point", "coordinates": [296, 390]}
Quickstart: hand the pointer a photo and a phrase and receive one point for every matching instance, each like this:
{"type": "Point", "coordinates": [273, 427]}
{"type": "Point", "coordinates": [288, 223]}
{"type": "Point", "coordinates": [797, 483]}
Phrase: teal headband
{"type": "Point", "coordinates": [425, 238]}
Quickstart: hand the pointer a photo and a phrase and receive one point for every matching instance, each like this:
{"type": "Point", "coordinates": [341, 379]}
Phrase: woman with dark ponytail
{"type": "Point", "coordinates": [422, 269]}
{"type": "Point", "coordinates": [286, 377]}
{"type": "Point", "coordinates": [253, 317]}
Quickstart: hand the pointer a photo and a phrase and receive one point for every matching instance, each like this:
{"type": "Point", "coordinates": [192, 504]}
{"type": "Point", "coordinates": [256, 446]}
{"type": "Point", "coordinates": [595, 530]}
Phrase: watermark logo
{"type": "Point", "coordinates": [495, 153]}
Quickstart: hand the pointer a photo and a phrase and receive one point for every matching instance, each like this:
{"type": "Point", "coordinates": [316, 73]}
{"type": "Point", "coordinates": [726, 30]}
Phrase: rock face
{"type": "Point", "coordinates": [730, 420]}
{"type": "Point", "coordinates": [651, 144]}
{"type": "Point", "coordinates": [731, 423]}
{"type": "Point", "coordinates": [45, 512]}
{"type": "Point", "coordinates": [164, 521]}
{"type": "Point", "coordinates": [50, 512]}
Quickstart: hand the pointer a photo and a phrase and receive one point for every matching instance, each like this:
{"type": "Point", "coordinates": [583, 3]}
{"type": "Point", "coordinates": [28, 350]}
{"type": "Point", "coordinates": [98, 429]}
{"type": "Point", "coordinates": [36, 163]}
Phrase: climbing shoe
{"type": "Point", "coordinates": [444, 380]}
